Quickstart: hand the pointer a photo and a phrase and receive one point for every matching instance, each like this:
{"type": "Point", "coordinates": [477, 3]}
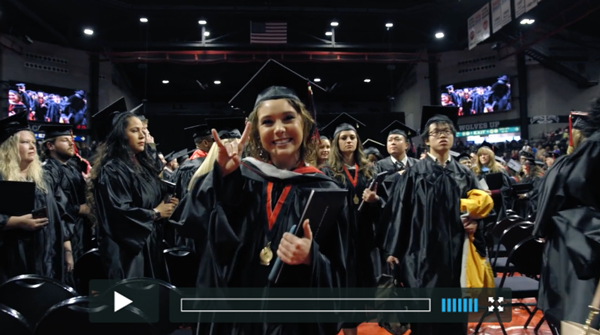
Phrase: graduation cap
{"type": "Point", "coordinates": [399, 128]}
{"type": "Point", "coordinates": [273, 81]}
{"type": "Point", "coordinates": [198, 131]}
{"type": "Point", "coordinates": [102, 121]}
{"type": "Point", "coordinates": [373, 151]}
{"type": "Point", "coordinates": [168, 157]}
{"type": "Point", "coordinates": [372, 143]}
{"type": "Point", "coordinates": [454, 154]}
{"type": "Point", "coordinates": [450, 87]}
{"type": "Point", "coordinates": [499, 159]}
{"type": "Point", "coordinates": [486, 144]}
{"type": "Point", "coordinates": [12, 125]}
{"type": "Point", "coordinates": [577, 120]}
{"type": "Point", "coordinates": [503, 79]}
{"type": "Point", "coordinates": [514, 165]}
{"type": "Point", "coordinates": [177, 155]}
{"type": "Point", "coordinates": [20, 85]}
{"type": "Point", "coordinates": [343, 122]}
{"type": "Point", "coordinates": [54, 130]}
{"type": "Point", "coordinates": [228, 128]}
{"type": "Point", "coordinates": [463, 156]}
{"type": "Point", "coordinates": [438, 112]}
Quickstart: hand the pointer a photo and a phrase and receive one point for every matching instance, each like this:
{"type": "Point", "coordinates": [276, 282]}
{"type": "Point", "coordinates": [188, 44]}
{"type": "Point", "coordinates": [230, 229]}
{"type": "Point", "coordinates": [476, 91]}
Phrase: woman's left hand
{"type": "Point", "coordinates": [294, 250]}
{"type": "Point", "coordinates": [69, 261]}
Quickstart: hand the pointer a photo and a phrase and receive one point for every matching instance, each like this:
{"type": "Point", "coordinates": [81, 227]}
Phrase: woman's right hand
{"type": "Point", "coordinates": [229, 155]}
{"type": "Point", "coordinates": [27, 222]}
{"type": "Point", "coordinates": [165, 209]}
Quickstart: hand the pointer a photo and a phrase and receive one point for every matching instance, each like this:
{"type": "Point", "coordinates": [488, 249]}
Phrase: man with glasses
{"type": "Point", "coordinates": [425, 233]}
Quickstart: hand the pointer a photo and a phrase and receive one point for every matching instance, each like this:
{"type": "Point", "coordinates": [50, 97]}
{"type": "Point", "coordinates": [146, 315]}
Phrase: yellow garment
{"type": "Point", "coordinates": [478, 204]}
{"type": "Point", "coordinates": [479, 272]}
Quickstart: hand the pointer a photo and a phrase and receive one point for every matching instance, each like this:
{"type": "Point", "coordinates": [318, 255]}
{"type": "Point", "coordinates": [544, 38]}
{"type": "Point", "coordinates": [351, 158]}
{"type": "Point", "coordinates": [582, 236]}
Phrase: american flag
{"type": "Point", "coordinates": [268, 32]}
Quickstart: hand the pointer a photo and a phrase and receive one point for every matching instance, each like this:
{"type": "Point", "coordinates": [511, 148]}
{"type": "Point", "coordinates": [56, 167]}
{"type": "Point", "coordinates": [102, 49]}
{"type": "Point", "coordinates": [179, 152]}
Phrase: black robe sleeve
{"type": "Point", "coordinates": [129, 225]}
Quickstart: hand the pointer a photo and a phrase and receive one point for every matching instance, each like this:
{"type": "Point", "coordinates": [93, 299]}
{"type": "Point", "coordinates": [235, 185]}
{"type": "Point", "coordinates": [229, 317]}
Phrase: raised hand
{"type": "Point", "coordinates": [229, 155]}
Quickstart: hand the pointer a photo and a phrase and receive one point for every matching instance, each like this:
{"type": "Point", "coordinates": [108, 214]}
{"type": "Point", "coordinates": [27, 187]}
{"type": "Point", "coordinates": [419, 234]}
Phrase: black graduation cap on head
{"type": "Point", "coordinates": [486, 144]}
{"type": "Point", "coordinates": [397, 127]}
{"type": "Point", "coordinates": [54, 130]}
{"type": "Point", "coordinates": [273, 81]}
{"type": "Point", "coordinates": [168, 157]}
{"type": "Point", "coordinates": [12, 125]}
{"type": "Point", "coordinates": [228, 128]}
{"type": "Point", "coordinates": [102, 121]}
{"type": "Point", "coordinates": [198, 131]}
{"type": "Point", "coordinates": [431, 111]}
{"type": "Point", "coordinates": [20, 85]}
{"type": "Point", "coordinates": [178, 155]}
{"type": "Point", "coordinates": [342, 122]}
{"type": "Point", "coordinates": [463, 156]}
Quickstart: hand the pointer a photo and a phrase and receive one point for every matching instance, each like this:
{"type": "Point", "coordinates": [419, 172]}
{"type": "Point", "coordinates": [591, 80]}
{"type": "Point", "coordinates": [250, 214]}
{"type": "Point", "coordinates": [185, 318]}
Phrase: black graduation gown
{"type": "Point", "coordinates": [568, 219]}
{"type": "Point", "coordinates": [229, 216]}
{"type": "Point", "coordinates": [364, 265]}
{"type": "Point", "coordinates": [130, 241]}
{"type": "Point", "coordinates": [71, 182]}
{"type": "Point", "coordinates": [503, 199]}
{"type": "Point", "coordinates": [182, 178]}
{"type": "Point", "coordinates": [38, 252]}
{"type": "Point", "coordinates": [168, 175]}
{"type": "Point", "coordinates": [425, 232]}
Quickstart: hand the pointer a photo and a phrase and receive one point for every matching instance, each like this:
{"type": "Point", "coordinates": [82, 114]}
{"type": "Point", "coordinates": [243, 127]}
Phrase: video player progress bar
{"type": "Point", "coordinates": [301, 310]}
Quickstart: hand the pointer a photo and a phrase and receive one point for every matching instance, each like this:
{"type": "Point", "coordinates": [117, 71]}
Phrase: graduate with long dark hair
{"type": "Point", "coordinates": [244, 208]}
{"type": "Point", "coordinates": [128, 202]}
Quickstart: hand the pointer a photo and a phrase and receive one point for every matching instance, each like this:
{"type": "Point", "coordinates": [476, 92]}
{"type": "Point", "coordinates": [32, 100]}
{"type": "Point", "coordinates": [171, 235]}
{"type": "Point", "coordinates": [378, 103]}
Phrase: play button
{"type": "Point", "coordinates": [120, 301]}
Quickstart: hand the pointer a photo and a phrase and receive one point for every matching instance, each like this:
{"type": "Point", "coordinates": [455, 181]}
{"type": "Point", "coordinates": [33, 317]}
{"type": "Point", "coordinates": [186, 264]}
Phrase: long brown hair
{"type": "Point", "coordinates": [308, 149]}
{"type": "Point", "coordinates": [336, 159]}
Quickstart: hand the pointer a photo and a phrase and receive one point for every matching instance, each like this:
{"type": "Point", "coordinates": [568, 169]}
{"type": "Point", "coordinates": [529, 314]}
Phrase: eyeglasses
{"type": "Point", "coordinates": [438, 133]}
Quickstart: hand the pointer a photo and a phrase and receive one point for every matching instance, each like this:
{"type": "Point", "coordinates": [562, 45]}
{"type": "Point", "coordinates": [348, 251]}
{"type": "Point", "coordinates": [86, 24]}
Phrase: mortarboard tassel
{"type": "Point", "coordinates": [312, 109]}
{"type": "Point", "coordinates": [570, 130]}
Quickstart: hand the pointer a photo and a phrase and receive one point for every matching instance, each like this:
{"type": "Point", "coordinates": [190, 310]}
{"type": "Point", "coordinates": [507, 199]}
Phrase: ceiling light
{"type": "Point", "coordinates": [207, 33]}
{"type": "Point", "coordinates": [317, 80]}
{"type": "Point", "coordinates": [531, 21]}
{"type": "Point", "coordinates": [165, 82]}
{"type": "Point", "coordinates": [334, 24]}
{"type": "Point", "coordinates": [389, 25]}
{"type": "Point", "coordinates": [367, 80]}
{"type": "Point", "coordinates": [328, 33]}
{"type": "Point", "coordinates": [88, 32]}
{"type": "Point", "coordinates": [202, 22]}
{"type": "Point", "coordinates": [527, 21]}
{"type": "Point", "coordinates": [143, 19]}
{"type": "Point", "coordinates": [217, 82]}
{"type": "Point", "coordinates": [439, 35]}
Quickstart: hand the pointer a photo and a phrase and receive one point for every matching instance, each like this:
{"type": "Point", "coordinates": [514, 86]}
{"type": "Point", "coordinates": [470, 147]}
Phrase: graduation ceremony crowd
{"type": "Point", "coordinates": [233, 199]}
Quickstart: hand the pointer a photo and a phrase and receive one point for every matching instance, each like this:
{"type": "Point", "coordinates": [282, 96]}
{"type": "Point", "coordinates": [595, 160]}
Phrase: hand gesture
{"type": "Point", "coordinates": [392, 260]}
{"type": "Point", "coordinates": [149, 138]}
{"type": "Point", "coordinates": [229, 155]}
{"type": "Point", "coordinates": [294, 250]}
{"type": "Point", "coordinates": [27, 222]}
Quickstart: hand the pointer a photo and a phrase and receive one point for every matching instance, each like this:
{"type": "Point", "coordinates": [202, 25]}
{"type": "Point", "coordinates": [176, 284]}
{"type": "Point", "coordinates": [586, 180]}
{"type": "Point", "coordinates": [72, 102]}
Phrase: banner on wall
{"type": "Point", "coordinates": [478, 26]}
{"type": "Point", "coordinates": [530, 4]}
{"type": "Point", "coordinates": [506, 12]}
{"type": "Point", "coordinates": [519, 8]}
{"type": "Point", "coordinates": [501, 14]}
{"type": "Point", "coordinates": [545, 119]}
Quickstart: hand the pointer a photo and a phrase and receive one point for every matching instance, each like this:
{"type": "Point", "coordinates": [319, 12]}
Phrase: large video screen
{"type": "Point", "coordinates": [492, 95]}
{"type": "Point", "coordinates": [48, 103]}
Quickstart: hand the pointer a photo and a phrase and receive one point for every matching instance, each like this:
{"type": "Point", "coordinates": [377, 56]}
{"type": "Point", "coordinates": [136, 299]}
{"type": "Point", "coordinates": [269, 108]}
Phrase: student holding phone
{"type": "Point", "coordinates": [35, 243]}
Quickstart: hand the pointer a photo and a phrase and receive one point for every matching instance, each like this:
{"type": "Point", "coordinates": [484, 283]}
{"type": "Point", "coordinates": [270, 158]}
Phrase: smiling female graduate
{"type": "Point", "coordinates": [244, 208]}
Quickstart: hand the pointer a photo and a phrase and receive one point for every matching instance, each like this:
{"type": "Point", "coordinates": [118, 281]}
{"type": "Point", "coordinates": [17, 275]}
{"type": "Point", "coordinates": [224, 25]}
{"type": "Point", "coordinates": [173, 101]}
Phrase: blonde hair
{"type": "Point", "coordinates": [336, 159]}
{"type": "Point", "coordinates": [209, 162]}
{"type": "Point", "coordinates": [492, 164]}
{"type": "Point", "coordinates": [308, 149]}
{"type": "Point", "coordinates": [10, 161]}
